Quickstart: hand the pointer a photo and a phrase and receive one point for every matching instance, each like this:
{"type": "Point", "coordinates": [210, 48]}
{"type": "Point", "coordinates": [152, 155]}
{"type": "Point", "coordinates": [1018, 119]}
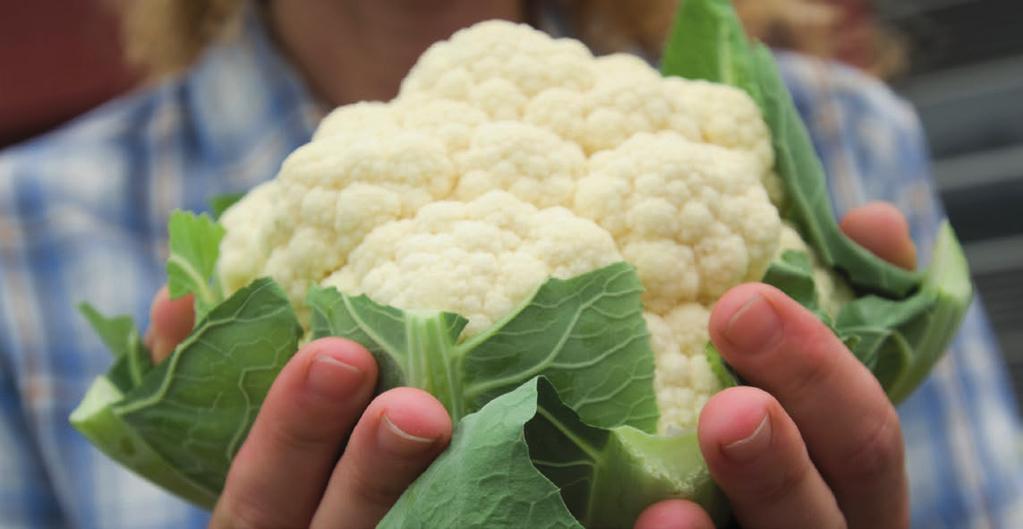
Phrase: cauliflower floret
{"type": "Point", "coordinates": [479, 259]}
{"type": "Point", "coordinates": [498, 65]}
{"type": "Point", "coordinates": [691, 217]}
{"type": "Point", "coordinates": [532, 163]}
{"type": "Point", "coordinates": [683, 379]}
{"type": "Point", "coordinates": [728, 117]}
{"type": "Point", "coordinates": [451, 122]}
{"type": "Point", "coordinates": [246, 245]}
{"type": "Point", "coordinates": [618, 108]}
{"type": "Point", "coordinates": [630, 97]}
{"type": "Point", "coordinates": [328, 198]}
{"type": "Point", "coordinates": [351, 122]}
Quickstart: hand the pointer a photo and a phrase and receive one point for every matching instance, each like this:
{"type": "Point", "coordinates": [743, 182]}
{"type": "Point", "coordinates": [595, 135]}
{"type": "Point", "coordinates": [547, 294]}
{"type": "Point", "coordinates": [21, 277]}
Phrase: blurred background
{"type": "Point", "coordinates": [58, 58]}
{"type": "Point", "coordinates": [965, 76]}
{"type": "Point", "coordinates": [960, 62]}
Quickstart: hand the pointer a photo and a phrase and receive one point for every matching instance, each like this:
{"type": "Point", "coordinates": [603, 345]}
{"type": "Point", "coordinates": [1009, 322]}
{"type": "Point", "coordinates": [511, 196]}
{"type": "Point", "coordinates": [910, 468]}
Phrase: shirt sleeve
{"type": "Point", "coordinates": [961, 427]}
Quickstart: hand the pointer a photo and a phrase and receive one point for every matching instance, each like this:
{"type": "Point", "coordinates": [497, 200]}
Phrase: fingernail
{"type": "Point", "coordinates": [332, 378]}
{"type": "Point", "coordinates": [754, 444]}
{"type": "Point", "coordinates": [754, 326]}
{"type": "Point", "coordinates": [398, 441]}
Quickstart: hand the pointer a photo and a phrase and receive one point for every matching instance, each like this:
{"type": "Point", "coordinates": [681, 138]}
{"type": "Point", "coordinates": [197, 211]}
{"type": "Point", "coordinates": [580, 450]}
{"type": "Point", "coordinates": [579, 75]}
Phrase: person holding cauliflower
{"type": "Point", "coordinates": [507, 158]}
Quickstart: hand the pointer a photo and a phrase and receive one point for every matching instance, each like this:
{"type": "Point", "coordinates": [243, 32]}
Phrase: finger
{"type": "Point", "coordinates": [280, 472]}
{"type": "Point", "coordinates": [850, 428]}
{"type": "Point", "coordinates": [399, 435]}
{"type": "Point", "coordinates": [674, 514]}
{"type": "Point", "coordinates": [882, 229]}
{"type": "Point", "coordinates": [757, 457]}
{"type": "Point", "coordinates": [170, 322]}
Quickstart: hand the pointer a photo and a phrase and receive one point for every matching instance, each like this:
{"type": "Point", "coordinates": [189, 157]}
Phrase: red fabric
{"type": "Point", "coordinates": [58, 58]}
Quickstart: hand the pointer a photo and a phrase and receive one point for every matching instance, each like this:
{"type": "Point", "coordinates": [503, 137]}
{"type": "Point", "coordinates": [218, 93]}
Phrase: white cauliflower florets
{"type": "Point", "coordinates": [479, 259]}
{"type": "Point", "coordinates": [690, 216]}
{"type": "Point", "coordinates": [532, 163]}
{"type": "Point", "coordinates": [510, 157]}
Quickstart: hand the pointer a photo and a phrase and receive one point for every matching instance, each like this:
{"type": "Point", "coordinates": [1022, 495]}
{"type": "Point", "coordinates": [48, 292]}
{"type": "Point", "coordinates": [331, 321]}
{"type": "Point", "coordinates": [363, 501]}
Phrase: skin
{"type": "Point", "coordinates": [380, 39]}
{"type": "Point", "coordinates": [812, 443]}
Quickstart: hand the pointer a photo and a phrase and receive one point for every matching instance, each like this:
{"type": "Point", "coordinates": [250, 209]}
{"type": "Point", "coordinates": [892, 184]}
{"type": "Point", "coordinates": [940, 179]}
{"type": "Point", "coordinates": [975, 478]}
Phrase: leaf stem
{"type": "Point", "coordinates": [432, 364]}
{"type": "Point", "coordinates": [588, 449]}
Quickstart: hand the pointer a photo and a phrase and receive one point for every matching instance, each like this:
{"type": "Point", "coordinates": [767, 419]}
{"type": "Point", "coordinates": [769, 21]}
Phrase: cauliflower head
{"type": "Point", "coordinates": [509, 157]}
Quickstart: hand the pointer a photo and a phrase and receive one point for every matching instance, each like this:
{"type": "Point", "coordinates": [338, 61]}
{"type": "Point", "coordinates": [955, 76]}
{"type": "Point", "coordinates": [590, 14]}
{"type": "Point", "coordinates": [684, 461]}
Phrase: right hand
{"type": "Point", "coordinates": [294, 469]}
{"type": "Point", "coordinates": [813, 442]}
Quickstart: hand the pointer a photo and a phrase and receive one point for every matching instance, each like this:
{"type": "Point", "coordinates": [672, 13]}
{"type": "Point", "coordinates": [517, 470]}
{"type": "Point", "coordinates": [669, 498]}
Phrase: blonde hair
{"type": "Point", "coordinates": [165, 36]}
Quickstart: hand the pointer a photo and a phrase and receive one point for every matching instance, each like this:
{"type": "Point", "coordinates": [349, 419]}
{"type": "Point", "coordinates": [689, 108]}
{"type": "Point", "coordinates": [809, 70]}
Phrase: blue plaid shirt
{"type": "Point", "coordinates": [83, 217]}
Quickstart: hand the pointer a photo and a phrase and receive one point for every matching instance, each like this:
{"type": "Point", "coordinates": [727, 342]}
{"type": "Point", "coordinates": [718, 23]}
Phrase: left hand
{"type": "Point", "coordinates": [814, 442]}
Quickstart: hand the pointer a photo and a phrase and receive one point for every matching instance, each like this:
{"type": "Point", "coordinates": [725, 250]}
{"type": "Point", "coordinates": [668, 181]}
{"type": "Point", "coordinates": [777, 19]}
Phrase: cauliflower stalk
{"type": "Point", "coordinates": [536, 236]}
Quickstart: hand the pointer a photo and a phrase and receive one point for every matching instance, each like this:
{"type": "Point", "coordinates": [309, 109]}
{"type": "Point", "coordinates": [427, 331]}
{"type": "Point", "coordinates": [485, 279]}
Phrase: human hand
{"type": "Point", "coordinates": [294, 469]}
{"type": "Point", "coordinates": [813, 442]}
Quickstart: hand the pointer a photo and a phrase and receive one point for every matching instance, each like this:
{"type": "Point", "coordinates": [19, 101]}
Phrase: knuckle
{"type": "Point", "coordinates": [299, 435]}
{"type": "Point", "coordinates": [786, 481]}
{"type": "Point", "coordinates": [809, 372]}
{"type": "Point", "coordinates": [241, 513]}
{"type": "Point", "coordinates": [878, 455]}
{"type": "Point", "coordinates": [373, 488]}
